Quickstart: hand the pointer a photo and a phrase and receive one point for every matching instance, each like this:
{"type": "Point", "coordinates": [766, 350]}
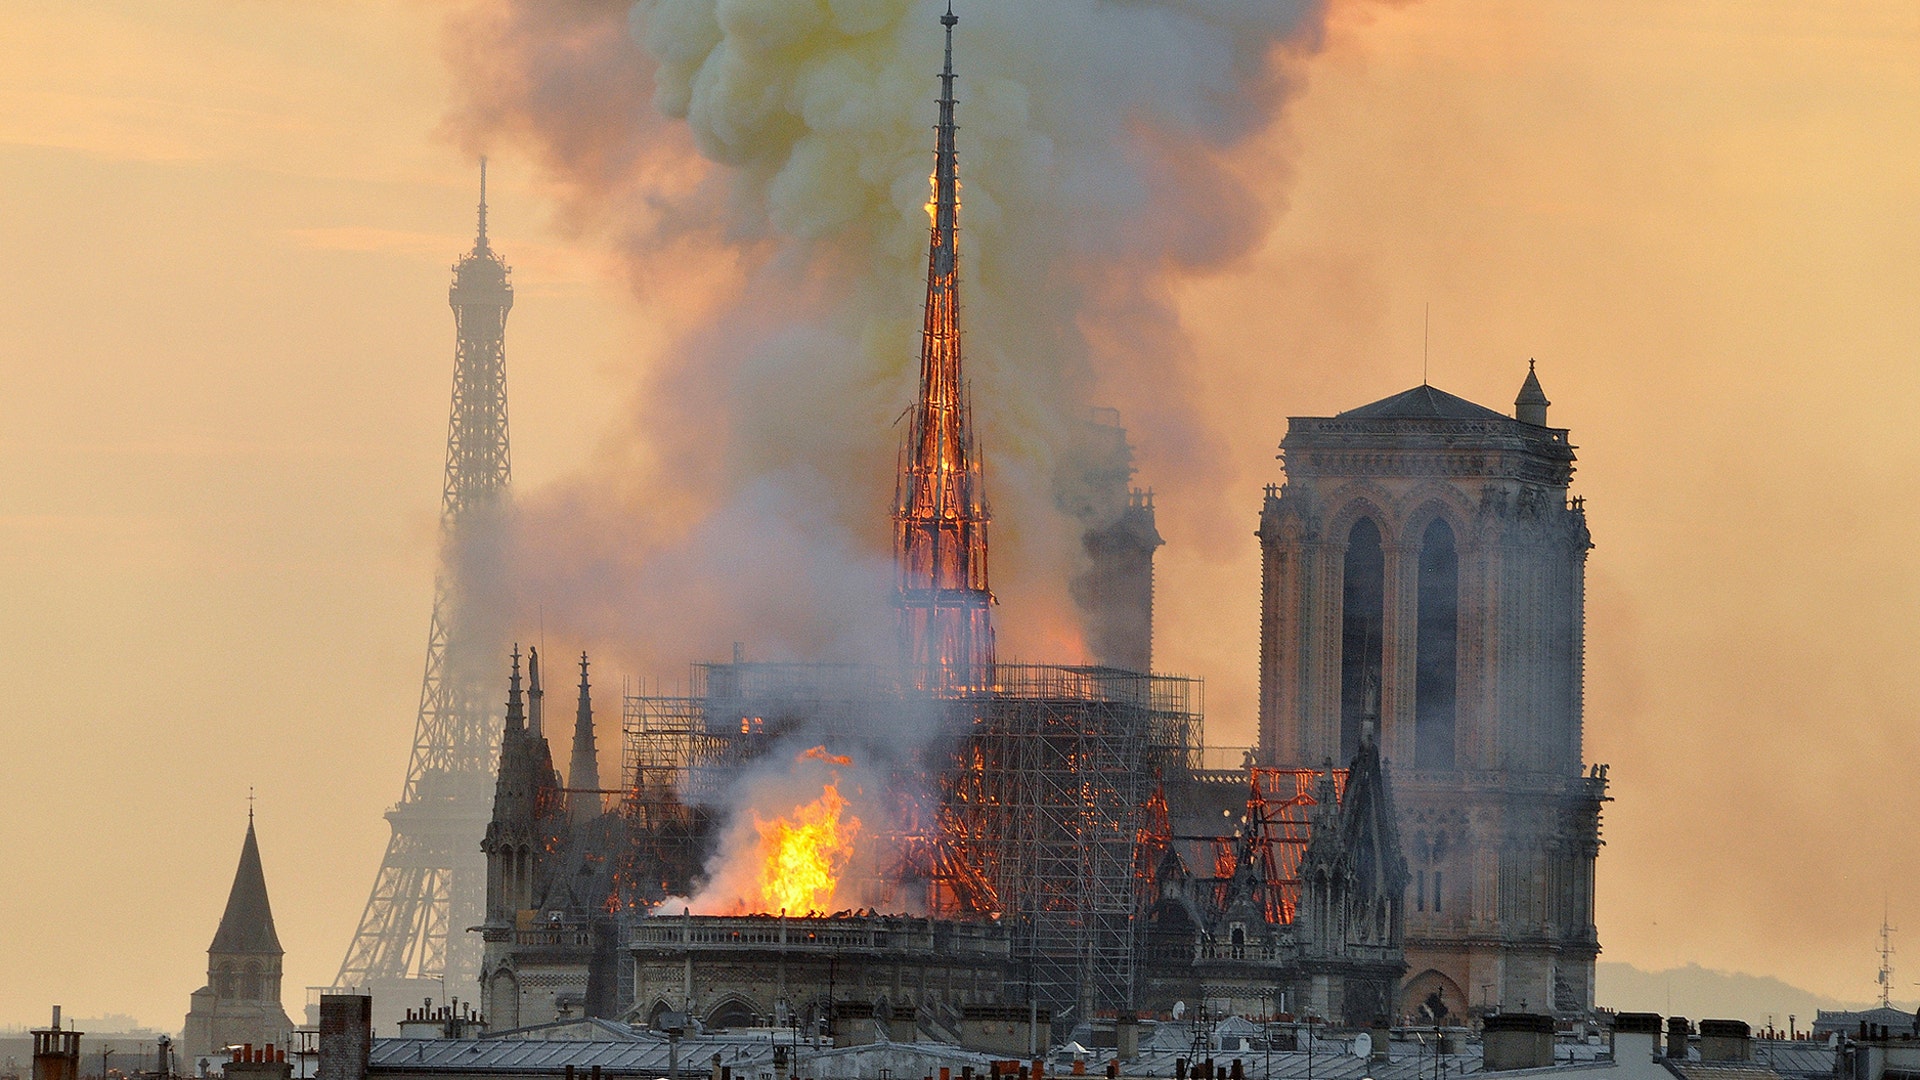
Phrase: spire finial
{"type": "Point", "coordinates": [249, 806]}
{"type": "Point", "coordinates": [480, 242]}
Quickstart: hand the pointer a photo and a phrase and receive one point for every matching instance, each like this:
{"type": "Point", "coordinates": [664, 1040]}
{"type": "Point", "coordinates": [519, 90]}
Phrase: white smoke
{"type": "Point", "coordinates": [764, 163]}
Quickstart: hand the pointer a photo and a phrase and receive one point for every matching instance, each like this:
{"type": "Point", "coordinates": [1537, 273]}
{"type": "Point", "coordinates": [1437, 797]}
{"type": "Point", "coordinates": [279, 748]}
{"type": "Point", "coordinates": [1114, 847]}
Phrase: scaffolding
{"type": "Point", "coordinates": [1022, 803]}
{"type": "Point", "coordinates": [1047, 802]}
{"type": "Point", "coordinates": [664, 739]}
{"type": "Point", "coordinates": [1274, 834]}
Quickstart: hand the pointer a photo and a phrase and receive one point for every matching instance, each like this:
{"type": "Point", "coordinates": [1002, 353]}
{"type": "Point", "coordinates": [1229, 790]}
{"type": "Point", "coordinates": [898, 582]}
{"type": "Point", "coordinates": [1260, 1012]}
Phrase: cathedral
{"type": "Point", "coordinates": [241, 1002]}
{"type": "Point", "coordinates": [1417, 805]}
{"type": "Point", "coordinates": [1424, 564]}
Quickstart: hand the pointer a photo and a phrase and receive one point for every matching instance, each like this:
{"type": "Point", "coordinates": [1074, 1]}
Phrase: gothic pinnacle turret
{"type": "Point", "coordinates": [1531, 406]}
{"type": "Point", "coordinates": [583, 772]}
{"type": "Point", "coordinates": [516, 713]}
{"type": "Point", "coordinates": [940, 507]}
{"type": "Point", "coordinates": [526, 816]}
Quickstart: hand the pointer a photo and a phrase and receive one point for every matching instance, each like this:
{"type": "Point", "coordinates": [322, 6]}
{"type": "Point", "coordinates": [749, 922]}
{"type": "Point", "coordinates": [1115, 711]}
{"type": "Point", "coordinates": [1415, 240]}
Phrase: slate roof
{"type": "Point", "coordinates": [1424, 403]}
{"type": "Point", "coordinates": [1797, 1058]}
{"type": "Point", "coordinates": [1899, 1021]}
{"type": "Point", "coordinates": [646, 1054]}
{"type": "Point", "coordinates": [247, 926]}
{"type": "Point", "coordinates": [1720, 1070]}
{"type": "Point", "coordinates": [521, 1055]}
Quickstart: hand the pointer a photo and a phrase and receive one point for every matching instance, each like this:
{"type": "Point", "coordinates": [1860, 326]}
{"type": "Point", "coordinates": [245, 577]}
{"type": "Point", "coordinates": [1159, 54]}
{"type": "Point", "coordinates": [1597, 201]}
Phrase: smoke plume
{"type": "Point", "coordinates": [763, 164]}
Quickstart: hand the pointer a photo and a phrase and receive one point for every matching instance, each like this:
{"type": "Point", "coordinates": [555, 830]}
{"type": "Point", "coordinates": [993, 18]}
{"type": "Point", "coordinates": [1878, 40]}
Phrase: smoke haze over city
{"type": "Point", "coordinates": [226, 346]}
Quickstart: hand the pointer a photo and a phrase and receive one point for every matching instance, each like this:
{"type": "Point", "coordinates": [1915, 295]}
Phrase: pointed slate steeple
{"type": "Point", "coordinates": [241, 1001]}
{"type": "Point", "coordinates": [247, 926]}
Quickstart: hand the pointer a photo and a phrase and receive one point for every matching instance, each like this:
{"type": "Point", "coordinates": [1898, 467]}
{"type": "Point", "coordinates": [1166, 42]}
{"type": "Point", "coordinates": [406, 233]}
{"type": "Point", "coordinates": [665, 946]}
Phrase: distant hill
{"type": "Point", "coordinates": [1699, 993]}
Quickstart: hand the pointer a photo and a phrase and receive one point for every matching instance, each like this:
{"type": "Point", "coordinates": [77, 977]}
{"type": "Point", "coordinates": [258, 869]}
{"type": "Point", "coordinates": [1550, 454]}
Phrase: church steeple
{"type": "Point", "coordinates": [583, 773]}
{"type": "Point", "coordinates": [940, 508]}
{"type": "Point", "coordinates": [247, 926]}
{"type": "Point", "coordinates": [241, 1001]}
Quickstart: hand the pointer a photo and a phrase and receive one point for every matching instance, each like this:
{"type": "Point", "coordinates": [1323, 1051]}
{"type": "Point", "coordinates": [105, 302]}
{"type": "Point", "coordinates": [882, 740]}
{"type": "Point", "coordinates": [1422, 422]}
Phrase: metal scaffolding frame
{"type": "Point", "coordinates": [664, 740]}
{"type": "Point", "coordinates": [1046, 802]}
{"type": "Point", "coordinates": [1038, 786]}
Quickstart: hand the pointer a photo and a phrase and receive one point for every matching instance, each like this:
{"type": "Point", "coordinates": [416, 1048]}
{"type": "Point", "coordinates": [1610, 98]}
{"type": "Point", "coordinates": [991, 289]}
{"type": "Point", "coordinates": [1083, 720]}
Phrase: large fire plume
{"type": "Point", "coordinates": [792, 845]}
{"type": "Point", "coordinates": [802, 858]}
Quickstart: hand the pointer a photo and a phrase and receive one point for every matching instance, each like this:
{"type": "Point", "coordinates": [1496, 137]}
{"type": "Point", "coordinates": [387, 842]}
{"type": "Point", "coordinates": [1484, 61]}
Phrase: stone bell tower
{"type": "Point", "coordinates": [1424, 560]}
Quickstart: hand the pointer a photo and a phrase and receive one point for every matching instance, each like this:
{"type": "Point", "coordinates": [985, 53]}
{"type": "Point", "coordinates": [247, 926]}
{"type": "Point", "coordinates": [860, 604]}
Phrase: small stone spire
{"type": "Point", "coordinates": [583, 774]}
{"type": "Point", "coordinates": [536, 698]}
{"type": "Point", "coordinates": [516, 712]}
{"type": "Point", "coordinates": [1531, 406]}
{"type": "Point", "coordinates": [1326, 795]}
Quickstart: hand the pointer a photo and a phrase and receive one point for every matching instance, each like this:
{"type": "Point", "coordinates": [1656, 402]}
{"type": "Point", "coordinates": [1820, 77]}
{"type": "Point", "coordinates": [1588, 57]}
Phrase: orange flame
{"type": "Point", "coordinates": [801, 859]}
{"type": "Point", "coordinates": [819, 753]}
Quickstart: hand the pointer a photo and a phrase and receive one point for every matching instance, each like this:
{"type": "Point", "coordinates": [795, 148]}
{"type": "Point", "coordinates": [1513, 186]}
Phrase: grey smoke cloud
{"type": "Point", "coordinates": [764, 162]}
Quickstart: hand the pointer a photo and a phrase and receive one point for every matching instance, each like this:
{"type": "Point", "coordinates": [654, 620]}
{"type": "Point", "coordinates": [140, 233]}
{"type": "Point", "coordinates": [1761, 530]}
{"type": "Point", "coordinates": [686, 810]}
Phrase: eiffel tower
{"type": "Point", "coordinates": [432, 882]}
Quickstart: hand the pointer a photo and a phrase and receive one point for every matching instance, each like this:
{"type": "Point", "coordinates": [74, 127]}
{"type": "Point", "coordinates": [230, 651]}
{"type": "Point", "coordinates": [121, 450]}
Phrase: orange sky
{"type": "Point", "coordinates": [225, 229]}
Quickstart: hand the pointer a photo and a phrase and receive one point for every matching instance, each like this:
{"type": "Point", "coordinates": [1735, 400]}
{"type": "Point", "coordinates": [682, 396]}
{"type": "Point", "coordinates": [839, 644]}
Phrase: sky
{"type": "Point", "coordinates": [225, 231]}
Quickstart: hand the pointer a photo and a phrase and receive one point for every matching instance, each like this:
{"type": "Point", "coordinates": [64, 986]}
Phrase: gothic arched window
{"type": "Point", "coordinates": [1362, 610]}
{"type": "Point", "coordinates": [1436, 665]}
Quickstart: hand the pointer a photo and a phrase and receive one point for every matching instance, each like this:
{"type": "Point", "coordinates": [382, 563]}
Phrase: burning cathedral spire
{"type": "Point", "coordinates": [940, 505]}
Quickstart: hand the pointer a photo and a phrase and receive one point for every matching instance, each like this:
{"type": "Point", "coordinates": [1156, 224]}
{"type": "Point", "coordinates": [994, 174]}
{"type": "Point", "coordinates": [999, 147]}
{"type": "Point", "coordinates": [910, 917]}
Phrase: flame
{"type": "Point", "coordinates": [819, 753]}
{"type": "Point", "coordinates": [801, 858]}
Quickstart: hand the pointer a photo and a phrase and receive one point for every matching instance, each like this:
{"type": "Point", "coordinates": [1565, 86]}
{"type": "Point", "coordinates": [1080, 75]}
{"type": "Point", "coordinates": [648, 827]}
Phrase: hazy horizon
{"type": "Point", "coordinates": [223, 374]}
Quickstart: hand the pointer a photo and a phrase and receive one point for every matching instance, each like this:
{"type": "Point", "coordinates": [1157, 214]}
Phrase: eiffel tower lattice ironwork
{"type": "Point", "coordinates": [431, 885]}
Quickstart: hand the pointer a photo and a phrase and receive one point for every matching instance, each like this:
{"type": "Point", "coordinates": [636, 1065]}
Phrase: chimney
{"type": "Point", "coordinates": [56, 1053]}
{"type": "Point", "coordinates": [1635, 1037]}
{"type": "Point", "coordinates": [1726, 1040]}
{"type": "Point", "coordinates": [1517, 1041]}
{"type": "Point", "coordinates": [1677, 1031]}
{"type": "Point", "coordinates": [346, 1036]}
